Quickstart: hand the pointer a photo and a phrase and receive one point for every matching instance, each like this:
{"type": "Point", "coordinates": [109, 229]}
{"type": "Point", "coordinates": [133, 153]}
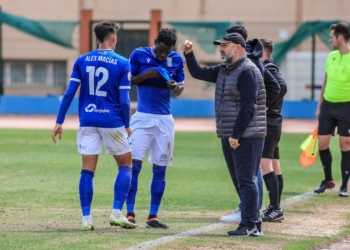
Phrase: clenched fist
{"type": "Point", "coordinates": [186, 46]}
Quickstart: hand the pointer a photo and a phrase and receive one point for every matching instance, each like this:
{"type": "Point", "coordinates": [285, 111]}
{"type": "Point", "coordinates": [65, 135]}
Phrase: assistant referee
{"type": "Point", "coordinates": [333, 109]}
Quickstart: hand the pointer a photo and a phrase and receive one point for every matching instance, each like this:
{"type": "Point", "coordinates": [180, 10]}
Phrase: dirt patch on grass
{"type": "Point", "coordinates": [315, 217]}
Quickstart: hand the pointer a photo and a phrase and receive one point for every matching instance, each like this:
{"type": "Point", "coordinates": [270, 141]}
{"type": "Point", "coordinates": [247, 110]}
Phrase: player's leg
{"type": "Point", "coordinates": [326, 127]}
{"type": "Point", "coordinates": [140, 141]}
{"type": "Point", "coordinates": [89, 145]}
{"type": "Point", "coordinates": [277, 170]}
{"type": "Point", "coordinates": [161, 153]}
{"type": "Point", "coordinates": [273, 212]}
{"type": "Point", "coordinates": [344, 144]}
{"type": "Point", "coordinates": [235, 216]}
{"type": "Point", "coordinates": [131, 197]}
{"type": "Point", "coordinates": [117, 144]}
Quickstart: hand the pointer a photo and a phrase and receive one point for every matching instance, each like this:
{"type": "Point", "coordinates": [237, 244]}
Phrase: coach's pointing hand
{"type": "Point", "coordinates": [186, 46]}
{"type": "Point", "coordinates": [57, 130]}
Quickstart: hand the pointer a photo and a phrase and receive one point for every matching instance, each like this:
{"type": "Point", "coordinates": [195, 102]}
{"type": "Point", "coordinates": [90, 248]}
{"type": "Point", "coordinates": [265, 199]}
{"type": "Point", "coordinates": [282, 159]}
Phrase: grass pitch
{"type": "Point", "coordinates": [39, 203]}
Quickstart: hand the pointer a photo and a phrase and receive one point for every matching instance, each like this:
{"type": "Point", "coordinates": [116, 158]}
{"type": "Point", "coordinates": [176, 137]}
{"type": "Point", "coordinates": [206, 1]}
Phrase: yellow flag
{"type": "Point", "coordinates": [310, 149]}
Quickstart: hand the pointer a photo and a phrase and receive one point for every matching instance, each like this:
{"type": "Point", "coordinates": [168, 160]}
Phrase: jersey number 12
{"type": "Point", "coordinates": [101, 82]}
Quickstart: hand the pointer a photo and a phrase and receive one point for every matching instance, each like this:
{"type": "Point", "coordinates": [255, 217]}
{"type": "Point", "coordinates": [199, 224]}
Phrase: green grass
{"type": "Point", "coordinates": [39, 204]}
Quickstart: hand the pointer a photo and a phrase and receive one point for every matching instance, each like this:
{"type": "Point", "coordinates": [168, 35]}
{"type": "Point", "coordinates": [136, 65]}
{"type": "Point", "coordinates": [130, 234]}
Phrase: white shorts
{"type": "Point", "coordinates": [154, 133]}
{"type": "Point", "coordinates": [89, 140]}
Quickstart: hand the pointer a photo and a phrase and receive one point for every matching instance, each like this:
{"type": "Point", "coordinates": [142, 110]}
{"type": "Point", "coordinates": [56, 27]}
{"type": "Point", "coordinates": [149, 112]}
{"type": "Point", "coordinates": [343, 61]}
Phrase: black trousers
{"type": "Point", "coordinates": [243, 164]}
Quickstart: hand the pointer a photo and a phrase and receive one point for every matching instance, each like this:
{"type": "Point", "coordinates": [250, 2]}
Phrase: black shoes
{"type": "Point", "coordinates": [272, 215]}
{"type": "Point", "coordinates": [324, 185]}
{"type": "Point", "coordinates": [244, 231]}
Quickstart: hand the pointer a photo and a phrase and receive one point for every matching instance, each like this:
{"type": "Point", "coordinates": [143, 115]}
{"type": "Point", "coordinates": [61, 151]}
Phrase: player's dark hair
{"type": "Point", "coordinates": [103, 29]}
{"type": "Point", "coordinates": [167, 37]}
{"type": "Point", "coordinates": [341, 29]}
{"type": "Point", "coordinates": [268, 46]}
{"type": "Point", "coordinates": [238, 29]}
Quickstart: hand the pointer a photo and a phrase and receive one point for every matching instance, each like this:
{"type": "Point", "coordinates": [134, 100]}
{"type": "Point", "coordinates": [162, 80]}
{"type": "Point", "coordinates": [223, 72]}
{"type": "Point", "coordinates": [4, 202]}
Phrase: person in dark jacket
{"type": "Point", "coordinates": [270, 164]}
{"type": "Point", "coordinates": [240, 111]}
{"type": "Point", "coordinates": [254, 51]}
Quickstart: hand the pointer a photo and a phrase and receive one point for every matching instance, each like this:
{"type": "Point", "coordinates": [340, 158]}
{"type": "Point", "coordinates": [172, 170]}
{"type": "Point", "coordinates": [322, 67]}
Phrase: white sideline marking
{"type": "Point", "coordinates": [153, 243]}
{"type": "Point", "coordinates": [296, 198]}
{"type": "Point", "coordinates": [167, 239]}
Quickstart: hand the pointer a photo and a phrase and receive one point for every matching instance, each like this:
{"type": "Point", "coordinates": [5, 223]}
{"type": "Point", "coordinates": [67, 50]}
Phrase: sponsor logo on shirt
{"type": "Point", "coordinates": [164, 157]}
{"type": "Point", "coordinates": [148, 60]}
{"type": "Point", "coordinates": [169, 62]}
{"type": "Point", "coordinates": [92, 108]}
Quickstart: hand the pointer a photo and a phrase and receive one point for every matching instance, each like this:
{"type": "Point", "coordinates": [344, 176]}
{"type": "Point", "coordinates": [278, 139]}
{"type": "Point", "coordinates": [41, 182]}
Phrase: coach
{"type": "Point", "coordinates": [240, 102]}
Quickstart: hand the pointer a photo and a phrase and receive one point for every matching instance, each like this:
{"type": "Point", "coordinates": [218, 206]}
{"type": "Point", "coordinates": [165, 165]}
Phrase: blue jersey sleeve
{"type": "Point", "coordinates": [134, 63]}
{"type": "Point", "coordinates": [125, 77]}
{"type": "Point", "coordinates": [68, 96]}
{"type": "Point", "coordinates": [180, 72]}
{"type": "Point", "coordinates": [124, 87]}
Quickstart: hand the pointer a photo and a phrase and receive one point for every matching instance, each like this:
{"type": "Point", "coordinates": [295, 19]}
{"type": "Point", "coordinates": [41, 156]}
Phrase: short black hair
{"type": "Point", "coordinates": [103, 29]}
{"type": "Point", "coordinates": [167, 37]}
{"type": "Point", "coordinates": [268, 46]}
{"type": "Point", "coordinates": [341, 29]}
{"type": "Point", "coordinates": [238, 29]}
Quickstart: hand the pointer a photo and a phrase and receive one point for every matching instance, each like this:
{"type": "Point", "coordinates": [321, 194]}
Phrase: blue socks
{"type": "Point", "coordinates": [130, 200]}
{"type": "Point", "coordinates": [121, 186]}
{"type": "Point", "coordinates": [86, 191]}
{"type": "Point", "coordinates": [157, 188]}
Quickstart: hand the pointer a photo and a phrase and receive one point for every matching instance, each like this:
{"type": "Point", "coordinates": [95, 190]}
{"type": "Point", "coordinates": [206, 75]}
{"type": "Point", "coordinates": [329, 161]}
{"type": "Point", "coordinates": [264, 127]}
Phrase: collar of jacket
{"type": "Point", "coordinates": [231, 66]}
{"type": "Point", "coordinates": [270, 60]}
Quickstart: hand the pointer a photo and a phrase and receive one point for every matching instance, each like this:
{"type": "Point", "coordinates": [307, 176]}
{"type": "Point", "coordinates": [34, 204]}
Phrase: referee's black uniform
{"type": "Point", "coordinates": [273, 114]}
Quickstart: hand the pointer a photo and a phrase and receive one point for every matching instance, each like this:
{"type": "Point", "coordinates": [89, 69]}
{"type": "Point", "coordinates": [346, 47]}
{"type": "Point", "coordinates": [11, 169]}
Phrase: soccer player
{"type": "Point", "coordinates": [104, 113]}
{"type": "Point", "coordinates": [333, 108]}
{"type": "Point", "coordinates": [270, 164]}
{"type": "Point", "coordinates": [156, 71]}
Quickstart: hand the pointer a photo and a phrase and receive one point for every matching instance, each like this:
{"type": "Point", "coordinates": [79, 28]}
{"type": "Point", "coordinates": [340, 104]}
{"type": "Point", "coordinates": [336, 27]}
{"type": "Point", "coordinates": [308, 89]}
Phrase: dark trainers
{"type": "Point", "coordinates": [343, 192]}
{"type": "Point", "coordinates": [155, 223]}
{"type": "Point", "coordinates": [131, 217]}
{"type": "Point", "coordinates": [272, 215]}
{"type": "Point", "coordinates": [244, 231]}
{"type": "Point", "coordinates": [324, 185]}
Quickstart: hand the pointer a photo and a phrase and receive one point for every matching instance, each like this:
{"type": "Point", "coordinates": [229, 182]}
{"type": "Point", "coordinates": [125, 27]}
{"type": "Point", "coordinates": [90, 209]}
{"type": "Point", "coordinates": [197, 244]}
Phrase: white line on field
{"type": "Point", "coordinates": [152, 243]}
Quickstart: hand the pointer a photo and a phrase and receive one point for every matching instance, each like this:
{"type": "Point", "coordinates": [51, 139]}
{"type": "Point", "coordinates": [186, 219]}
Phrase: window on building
{"type": "Point", "coordinates": [18, 73]}
{"type": "Point", "coordinates": [35, 74]}
{"type": "Point", "coordinates": [39, 73]}
{"type": "Point", "coordinates": [59, 74]}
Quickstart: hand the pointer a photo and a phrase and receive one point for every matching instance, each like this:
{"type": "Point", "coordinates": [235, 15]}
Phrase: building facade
{"type": "Point", "coordinates": [39, 68]}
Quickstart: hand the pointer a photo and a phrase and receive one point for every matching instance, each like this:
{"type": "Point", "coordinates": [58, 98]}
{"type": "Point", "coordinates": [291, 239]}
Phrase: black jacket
{"type": "Point", "coordinates": [273, 114]}
{"type": "Point", "coordinates": [254, 50]}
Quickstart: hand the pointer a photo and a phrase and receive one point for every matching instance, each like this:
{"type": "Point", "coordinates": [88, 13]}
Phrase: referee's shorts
{"type": "Point", "coordinates": [271, 149]}
{"type": "Point", "coordinates": [334, 115]}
